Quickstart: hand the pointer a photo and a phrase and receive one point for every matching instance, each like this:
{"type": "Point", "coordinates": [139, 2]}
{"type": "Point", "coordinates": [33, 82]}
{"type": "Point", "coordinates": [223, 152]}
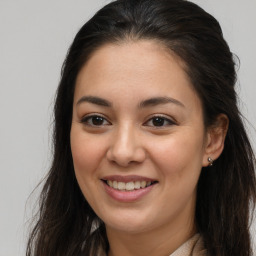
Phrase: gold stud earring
{"type": "Point", "coordinates": [210, 161]}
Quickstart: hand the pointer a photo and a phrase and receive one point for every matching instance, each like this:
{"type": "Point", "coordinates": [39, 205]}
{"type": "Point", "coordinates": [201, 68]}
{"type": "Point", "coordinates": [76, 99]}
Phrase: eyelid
{"type": "Point", "coordinates": [171, 121]}
{"type": "Point", "coordinates": [85, 118]}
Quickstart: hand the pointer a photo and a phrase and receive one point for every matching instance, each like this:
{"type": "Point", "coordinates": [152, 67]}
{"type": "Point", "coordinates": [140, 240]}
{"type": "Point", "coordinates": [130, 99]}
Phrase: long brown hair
{"type": "Point", "coordinates": [226, 192]}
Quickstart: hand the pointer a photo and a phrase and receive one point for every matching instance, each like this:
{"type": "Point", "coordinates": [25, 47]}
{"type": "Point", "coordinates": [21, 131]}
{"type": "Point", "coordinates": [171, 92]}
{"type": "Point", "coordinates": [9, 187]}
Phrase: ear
{"type": "Point", "coordinates": [215, 138]}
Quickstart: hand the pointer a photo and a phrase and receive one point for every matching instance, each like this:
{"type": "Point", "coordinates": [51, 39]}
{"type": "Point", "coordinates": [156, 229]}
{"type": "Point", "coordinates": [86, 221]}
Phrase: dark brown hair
{"type": "Point", "coordinates": [226, 192]}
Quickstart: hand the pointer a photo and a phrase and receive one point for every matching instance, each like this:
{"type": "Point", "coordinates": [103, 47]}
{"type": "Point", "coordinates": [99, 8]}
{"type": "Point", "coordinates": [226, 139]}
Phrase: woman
{"type": "Point", "coordinates": [150, 154]}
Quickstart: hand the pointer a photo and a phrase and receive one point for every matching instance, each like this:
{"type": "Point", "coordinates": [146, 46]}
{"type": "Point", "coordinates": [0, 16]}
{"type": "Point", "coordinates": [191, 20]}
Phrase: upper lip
{"type": "Point", "coordinates": [127, 178]}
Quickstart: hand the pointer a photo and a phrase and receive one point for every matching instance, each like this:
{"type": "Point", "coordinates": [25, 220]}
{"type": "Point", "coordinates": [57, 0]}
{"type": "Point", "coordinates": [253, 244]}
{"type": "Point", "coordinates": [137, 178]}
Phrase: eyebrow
{"type": "Point", "coordinates": [145, 103]}
{"type": "Point", "coordinates": [95, 100]}
{"type": "Point", "coordinates": [159, 101]}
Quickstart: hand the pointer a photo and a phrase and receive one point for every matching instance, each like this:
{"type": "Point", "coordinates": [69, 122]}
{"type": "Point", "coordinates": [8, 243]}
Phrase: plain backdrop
{"type": "Point", "coordinates": [34, 38]}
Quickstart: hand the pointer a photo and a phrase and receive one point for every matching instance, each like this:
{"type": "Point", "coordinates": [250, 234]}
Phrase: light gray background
{"type": "Point", "coordinates": [35, 36]}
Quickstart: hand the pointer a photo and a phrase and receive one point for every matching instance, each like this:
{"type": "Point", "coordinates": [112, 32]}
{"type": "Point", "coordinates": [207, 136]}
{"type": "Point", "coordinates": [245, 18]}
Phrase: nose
{"type": "Point", "coordinates": [126, 147]}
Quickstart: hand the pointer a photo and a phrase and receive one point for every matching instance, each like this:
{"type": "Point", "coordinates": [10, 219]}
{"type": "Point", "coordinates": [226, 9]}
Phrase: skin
{"type": "Point", "coordinates": [126, 141]}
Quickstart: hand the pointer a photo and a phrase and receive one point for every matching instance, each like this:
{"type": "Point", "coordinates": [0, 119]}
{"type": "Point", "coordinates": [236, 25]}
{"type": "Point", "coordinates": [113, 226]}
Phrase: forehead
{"type": "Point", "coordinates": [140, 55]}
{"type": "Point", "coordinates": [145, 68]}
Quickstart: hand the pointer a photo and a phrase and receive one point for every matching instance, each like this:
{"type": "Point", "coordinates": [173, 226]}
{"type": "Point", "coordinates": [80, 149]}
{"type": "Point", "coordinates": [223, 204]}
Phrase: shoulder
{"type": "Point", "coordinates": [192, 247]}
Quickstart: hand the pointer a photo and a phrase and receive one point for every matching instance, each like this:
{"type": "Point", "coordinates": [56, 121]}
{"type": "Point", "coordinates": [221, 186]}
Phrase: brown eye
{"type": "Point", "coordinates": [159, 121]}
{"type": "Point", "coordinates": [95, 120]}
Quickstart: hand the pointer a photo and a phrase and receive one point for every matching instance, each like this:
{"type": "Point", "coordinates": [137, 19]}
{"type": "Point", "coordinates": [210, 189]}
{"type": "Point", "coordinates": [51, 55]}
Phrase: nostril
{"type": "Point", "coordinates": [125, 157]}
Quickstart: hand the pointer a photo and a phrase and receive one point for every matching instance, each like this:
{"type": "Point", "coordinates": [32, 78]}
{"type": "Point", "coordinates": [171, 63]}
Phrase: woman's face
{"type": "Point", "coordinates": [137, 138]}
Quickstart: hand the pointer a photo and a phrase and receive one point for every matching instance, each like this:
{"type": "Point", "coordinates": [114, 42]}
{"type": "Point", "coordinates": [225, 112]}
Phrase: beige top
{"type": "Point", "coordinates": [193, 247]}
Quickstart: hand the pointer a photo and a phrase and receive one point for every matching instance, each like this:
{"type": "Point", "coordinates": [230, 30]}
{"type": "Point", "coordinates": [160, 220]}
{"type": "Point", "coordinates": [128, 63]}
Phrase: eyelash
{"type": "Point", "coordinates": [87, 120]}
{"type": "Point", "coordinates": [166, 121]}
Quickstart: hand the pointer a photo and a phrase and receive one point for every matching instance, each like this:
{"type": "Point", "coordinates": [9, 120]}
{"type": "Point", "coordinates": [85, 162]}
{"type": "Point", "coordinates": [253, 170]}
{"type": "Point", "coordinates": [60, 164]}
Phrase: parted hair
{"type": "Point", "coordinates": [226, 192]}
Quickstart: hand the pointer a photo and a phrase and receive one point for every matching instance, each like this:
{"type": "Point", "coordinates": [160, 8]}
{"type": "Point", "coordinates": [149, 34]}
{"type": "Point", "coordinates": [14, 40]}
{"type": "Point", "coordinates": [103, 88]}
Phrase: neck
{"type": "Point", "coordinates": [161, 241]}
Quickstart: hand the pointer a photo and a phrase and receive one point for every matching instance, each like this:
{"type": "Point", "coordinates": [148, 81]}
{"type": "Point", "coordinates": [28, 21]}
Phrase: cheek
{"type": "Point", "coordinates": [178, 155]}
{"type": "Point", "coordinates": [86, 151]}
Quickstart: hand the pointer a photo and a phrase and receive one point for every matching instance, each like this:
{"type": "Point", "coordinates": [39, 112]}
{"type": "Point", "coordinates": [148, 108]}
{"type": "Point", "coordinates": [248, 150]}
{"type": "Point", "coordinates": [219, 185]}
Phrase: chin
{"type": "Point", "coordinates": [128, 223]}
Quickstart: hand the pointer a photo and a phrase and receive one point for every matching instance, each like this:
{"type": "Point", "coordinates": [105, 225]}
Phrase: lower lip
{"type": "Point", "coordinates": [127, 196]}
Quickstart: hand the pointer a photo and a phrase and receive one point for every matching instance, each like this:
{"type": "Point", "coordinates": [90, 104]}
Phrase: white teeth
{"type": "Point", "coordinates": [129, 186]}
{"type": "Point", "coordinates": [121, 185]}
{"type": "Point", "coordinates": [115, 184]}
{"type": "Point", "coordinates": [143, 184]}
{"type": "Point", "coordinates": [137, 185]}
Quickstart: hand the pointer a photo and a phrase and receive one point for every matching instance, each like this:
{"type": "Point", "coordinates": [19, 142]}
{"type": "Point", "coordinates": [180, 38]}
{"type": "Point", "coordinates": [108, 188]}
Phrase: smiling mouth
{"type": "Point", "coordinates": [129, 186]}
